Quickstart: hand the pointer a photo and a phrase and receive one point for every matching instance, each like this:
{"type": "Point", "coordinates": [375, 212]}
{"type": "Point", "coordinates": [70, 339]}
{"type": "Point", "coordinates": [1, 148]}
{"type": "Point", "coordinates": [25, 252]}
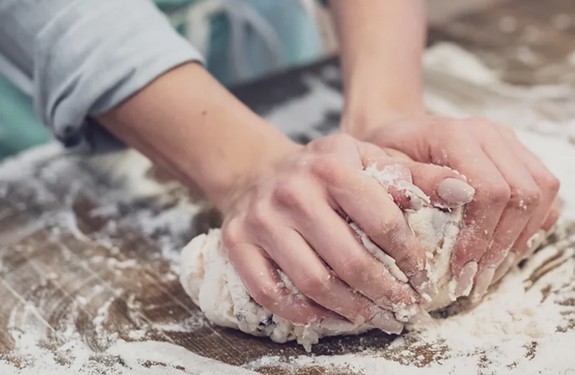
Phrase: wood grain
{"type": "Point", "coordinates": [111, 276]}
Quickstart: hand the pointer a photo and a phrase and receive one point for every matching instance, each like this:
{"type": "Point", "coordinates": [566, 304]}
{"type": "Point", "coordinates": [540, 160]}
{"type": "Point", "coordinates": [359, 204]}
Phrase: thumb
{"type": "Point", "coordinates": [392, 173]}
{"type": "Point", "coordinates": [445, 187]}
{"type": "Point", "coordinates": [410, 182]}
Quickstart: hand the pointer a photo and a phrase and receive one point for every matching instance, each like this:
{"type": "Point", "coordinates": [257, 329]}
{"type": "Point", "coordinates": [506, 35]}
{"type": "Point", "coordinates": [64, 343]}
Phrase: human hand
{"type": "Point", "coordinates": [512, 259]}
{"type": "Point", "coordinates": [514, 190]}
{"type": "Point", "coordinates": [294, 216]}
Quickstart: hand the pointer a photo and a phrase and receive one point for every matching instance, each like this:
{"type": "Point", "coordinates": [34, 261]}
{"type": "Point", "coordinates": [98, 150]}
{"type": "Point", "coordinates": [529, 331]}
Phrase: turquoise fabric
{"type": "Point", "coordinates": [19, 126]}
{"type": "Point", "coordinates": [296, 41]}
{"type": "Point", "coordinates": [298, 37]}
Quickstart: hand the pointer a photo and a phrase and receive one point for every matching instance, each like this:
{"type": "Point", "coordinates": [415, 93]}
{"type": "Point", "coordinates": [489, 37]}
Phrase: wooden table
{"type": "Point", "coordinates": [88, 246]}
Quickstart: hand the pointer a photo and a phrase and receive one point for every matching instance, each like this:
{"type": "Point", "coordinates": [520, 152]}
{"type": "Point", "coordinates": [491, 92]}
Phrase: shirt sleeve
{"type": "Point", "coordinates": [83, 57]}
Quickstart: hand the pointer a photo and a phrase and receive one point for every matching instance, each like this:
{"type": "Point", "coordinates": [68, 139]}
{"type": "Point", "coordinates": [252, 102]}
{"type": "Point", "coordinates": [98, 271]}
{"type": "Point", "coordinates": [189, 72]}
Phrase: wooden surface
{"type": "Point", "coordinates": [80, 247]}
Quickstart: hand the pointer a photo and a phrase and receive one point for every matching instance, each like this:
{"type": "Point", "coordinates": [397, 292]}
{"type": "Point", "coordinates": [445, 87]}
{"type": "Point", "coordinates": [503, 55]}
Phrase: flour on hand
{"type": "Point", "coordinates": [210, 279]}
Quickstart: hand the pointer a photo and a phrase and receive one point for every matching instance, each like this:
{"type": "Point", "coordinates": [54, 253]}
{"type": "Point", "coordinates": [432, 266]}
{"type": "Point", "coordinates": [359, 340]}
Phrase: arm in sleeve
{"type": "Point", "coordinates": [83, 57]}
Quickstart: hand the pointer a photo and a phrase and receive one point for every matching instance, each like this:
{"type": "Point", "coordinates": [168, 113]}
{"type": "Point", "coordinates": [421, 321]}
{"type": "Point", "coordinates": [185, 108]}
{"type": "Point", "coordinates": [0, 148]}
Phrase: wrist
{"type": "Point", "coordinates": [204, 138]}
{"type": "Point", "coordinates": [259, 160]}
{"type": "Point", "coordinates": [373, 98]}
{"type": "Point", "coordinates": [361, 121]}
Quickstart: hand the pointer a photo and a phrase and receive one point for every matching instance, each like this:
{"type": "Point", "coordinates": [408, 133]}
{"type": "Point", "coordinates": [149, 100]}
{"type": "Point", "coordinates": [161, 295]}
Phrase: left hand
{"type": "Point", "coordinates": [514, 190]}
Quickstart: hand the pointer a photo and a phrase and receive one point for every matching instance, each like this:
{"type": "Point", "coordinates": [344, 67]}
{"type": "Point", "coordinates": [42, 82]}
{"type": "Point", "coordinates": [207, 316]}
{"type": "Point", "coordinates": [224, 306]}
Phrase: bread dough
{"type": "Point", "coordinates": [211, 281]}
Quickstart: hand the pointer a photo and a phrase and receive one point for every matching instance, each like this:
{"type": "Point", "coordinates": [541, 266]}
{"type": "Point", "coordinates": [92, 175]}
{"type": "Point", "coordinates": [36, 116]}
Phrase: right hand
{"type": "Point", "coordinates": [292, 215]}
{"type": "Point", "coordinates": [515, 190]}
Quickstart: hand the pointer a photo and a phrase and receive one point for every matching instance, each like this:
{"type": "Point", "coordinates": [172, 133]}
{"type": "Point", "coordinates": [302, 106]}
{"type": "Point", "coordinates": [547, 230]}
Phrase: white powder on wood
{"type": "Point", "coordinates": [512, 332]}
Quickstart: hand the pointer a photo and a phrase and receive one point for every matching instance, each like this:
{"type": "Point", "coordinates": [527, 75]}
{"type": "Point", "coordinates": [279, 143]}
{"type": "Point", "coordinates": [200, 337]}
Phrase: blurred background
{"type": "Point", "coordinates": [260, 37]}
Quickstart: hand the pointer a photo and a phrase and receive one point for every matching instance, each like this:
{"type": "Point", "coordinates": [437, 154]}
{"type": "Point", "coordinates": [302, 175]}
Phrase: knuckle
{"type": "Point", "coordinates": [354, 269]}
{"type": "Point", "coordinates": [314, 285]}
{"type": "Point", "coordinates": [291, 193]}
{"type": "Point", "coordinates": [525, 198]}
{"type": "Point", "coordinates": [454, 133]}
{"type": "Point", "coordinates": [408, 261]}
{"type": "Point", "coordinates": [331, 142]}
{"type": "Point", "coordinates": [343, 138]}
{"type": "Point", "coordinates": [441, 124]}
{"type": "Point", "coordinates": [550, 182]}
{"type": "Point", "coordinates": [389, 227]}
{"type": "Point", "coordinates": [397, 296]}
{"type": "Point", "coordinates": [483, 127]}
{"type": "Point", "coordinates": [266, 295]}
{"type": "Point", "coordinates": [498, 193]}
{"type": "Point", "coordinates": [259, 215]}
{"type": "Point", "coordinates": [231, 234]}
{"type": "Point", "coordinates": [327, 168]}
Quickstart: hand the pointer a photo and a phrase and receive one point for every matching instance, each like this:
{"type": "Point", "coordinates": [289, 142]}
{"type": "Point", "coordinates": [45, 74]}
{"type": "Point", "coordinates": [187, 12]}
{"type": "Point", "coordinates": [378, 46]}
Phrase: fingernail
{"type": "Point", "coordinates": [417, 198]}
{"type": "Point", "coordinates": [385, 321]}
{"type": "Point", "coordinates": [422, 317]}
{"type": "Point", "coordinates": [405, 314]}
{"type": "Point", "coordinates": [482, 282]}
{"type": "Point", "coordinates": [552, 230]}
{"type": "Point", "coordinates": [500, 258]}
{"type": "Point", "coordinates": [337, 325]}
{"type": "Point", "coordinates": [505, 266]}
{"type": "Point", "coordinates": [423, 285]}
{"type": "Point", "coordinates": [455, 191]}
{"type": "Point", "coordinates": [535, 241]}
{"type": "Point", "coordinates": [465, 280]}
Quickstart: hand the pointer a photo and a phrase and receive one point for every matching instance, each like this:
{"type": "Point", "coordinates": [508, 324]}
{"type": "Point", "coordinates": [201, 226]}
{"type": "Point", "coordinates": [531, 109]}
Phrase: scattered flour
{"type": "Point", "coordinates": [511, 332]}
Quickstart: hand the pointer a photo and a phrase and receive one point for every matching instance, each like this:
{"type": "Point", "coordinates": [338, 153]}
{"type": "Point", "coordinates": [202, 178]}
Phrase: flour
{"type": "Point", "coordinates": [512, 332]}
{"type": "Point", "coordinates": [498, 335]}
{"type": "Point", "coordinates": [72, 355]}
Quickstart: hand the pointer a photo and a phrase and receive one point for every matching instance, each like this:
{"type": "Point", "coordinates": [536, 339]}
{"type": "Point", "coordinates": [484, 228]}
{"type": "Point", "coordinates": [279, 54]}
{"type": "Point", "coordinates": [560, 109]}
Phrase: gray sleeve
{"type": "Point", "coordinates": [83, 57]}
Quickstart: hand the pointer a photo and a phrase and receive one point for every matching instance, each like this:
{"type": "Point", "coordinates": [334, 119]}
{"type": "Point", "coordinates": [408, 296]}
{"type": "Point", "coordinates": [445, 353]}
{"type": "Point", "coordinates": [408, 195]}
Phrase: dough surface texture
{"type": "Point", "coordinates": [211, 281]}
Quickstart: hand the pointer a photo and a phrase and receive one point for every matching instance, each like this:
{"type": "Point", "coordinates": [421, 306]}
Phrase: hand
{"type": "Point", "coordinates": [514, 190]}
{"type": "Point", "coordinates": [294, 216]}
{"type": "Point", "coordinates": [547, 227]}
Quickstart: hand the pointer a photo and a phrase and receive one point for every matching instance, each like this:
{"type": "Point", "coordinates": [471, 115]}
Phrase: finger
{"type": "Point", "coordinates": [406, 180]}
{"type": "Point", "coordinates": [444, 186]}
{"type": "Point", "coordinates": [362, 198]}
{"type": "Point", "coordinates": [548, 186]}
{"type": "Point", "coordinates": [264, 285]}
{"type": "Point", "coordinates": [389, 169]}
{"type": "Point", "coordinates": [312, 278]}
{"type": "Point", "coordinates": [314, 217]}
{"type": "Point", "coordinates": [505, 266]}
{"type": "Point", "coordinates": [397, 182]}
{"type": "Point", "coordinates": [395, 154]}
{"type": "Point", "coordinates": [393, 175]}
{"type": "Point", "coordinates": [481, 215]}
{"type": "Point", "coordinates": [523, 202]}
{"type": "Point", "coordinates": [552, 216]}
{"type": "Point", "coordinates": [333, 240]}
{"type": "Point", "coordinates": [351, 182]}
{"type": "Point", "coordinates": [513, 258]}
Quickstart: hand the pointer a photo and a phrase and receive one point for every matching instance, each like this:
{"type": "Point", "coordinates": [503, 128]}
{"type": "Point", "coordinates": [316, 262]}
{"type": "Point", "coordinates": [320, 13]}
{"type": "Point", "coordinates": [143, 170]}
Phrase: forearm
{"type": "Point", "coordinates": [381, 49]}
{"type": "Point", "coordinates": [186, 122]}
{"type": "Point", "coordinates": [85, 57]}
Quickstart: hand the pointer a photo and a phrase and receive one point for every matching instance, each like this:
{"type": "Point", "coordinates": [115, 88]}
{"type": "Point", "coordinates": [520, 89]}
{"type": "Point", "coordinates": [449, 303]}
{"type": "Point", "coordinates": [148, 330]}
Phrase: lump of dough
{"type": "Point", "coordinates": [211, 281]}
